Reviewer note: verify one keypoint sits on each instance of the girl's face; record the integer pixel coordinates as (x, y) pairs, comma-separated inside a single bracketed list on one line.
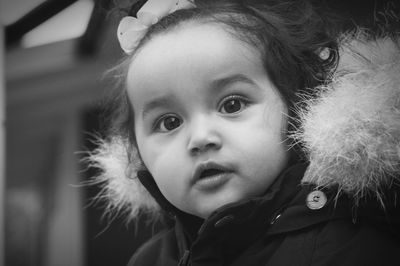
[(208, 120)]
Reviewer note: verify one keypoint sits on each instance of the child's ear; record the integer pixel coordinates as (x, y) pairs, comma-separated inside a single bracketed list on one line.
[(136, 159), (142, 166)]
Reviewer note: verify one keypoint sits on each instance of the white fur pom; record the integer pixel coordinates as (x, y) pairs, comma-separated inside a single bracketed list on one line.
[(351, 130), (121, 189)]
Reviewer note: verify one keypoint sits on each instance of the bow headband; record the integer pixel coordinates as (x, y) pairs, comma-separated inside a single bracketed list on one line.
[(131, 30)]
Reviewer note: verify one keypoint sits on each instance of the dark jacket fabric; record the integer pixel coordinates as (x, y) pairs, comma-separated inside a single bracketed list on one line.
[(280, 229)]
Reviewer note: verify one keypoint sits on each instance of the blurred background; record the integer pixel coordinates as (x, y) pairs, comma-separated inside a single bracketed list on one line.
[(53, 55)]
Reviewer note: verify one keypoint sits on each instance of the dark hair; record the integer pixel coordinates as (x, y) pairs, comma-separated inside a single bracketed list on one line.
[(290, 36)]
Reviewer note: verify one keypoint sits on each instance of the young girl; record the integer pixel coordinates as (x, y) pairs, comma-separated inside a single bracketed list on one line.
[(202, 133)]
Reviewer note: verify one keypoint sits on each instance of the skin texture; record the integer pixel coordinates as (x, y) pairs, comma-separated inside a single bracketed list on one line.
[(201, 103)]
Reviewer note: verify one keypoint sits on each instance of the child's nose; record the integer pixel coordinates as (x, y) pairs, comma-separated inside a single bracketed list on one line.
[(203, 137)]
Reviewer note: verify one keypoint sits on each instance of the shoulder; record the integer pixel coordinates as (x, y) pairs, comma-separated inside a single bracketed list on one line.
[(338, 233), (343, 242), (159, 250), (363, 234)]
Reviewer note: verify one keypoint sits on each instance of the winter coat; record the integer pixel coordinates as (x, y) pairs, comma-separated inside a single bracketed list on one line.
[(284, 227), (340, 207)]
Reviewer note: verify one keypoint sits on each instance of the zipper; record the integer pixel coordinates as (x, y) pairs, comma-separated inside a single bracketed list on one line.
[(185, 259)]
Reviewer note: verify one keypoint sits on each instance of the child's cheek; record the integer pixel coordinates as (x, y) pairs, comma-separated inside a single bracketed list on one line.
[(169, 168), (150, 153), (162, 157)]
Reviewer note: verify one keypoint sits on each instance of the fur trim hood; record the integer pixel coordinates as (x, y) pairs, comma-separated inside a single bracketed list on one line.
[(350, 132)]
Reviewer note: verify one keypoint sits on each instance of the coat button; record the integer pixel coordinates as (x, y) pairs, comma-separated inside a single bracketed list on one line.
[(316, 200), (224, 221)]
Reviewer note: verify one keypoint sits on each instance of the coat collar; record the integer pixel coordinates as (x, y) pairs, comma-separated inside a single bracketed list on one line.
[(253, 209), (251, 215)]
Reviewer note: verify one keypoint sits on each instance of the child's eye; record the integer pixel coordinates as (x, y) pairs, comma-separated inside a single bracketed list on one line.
[(232, 104), (167, 123)]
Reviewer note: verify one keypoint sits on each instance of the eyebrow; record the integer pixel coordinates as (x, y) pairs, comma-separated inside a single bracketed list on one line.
[(158, 102), (227, 81)]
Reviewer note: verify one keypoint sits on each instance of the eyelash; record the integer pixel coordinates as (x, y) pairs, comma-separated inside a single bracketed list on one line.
[(158, 123), (243, 100)]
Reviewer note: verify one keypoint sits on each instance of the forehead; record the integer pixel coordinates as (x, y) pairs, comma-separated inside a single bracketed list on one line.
[(203, 48)]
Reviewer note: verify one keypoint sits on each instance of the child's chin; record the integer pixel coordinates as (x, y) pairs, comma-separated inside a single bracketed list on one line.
[(214, 205)]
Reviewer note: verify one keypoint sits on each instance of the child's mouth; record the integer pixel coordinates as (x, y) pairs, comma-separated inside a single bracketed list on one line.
[(210, 173), (210, 176)]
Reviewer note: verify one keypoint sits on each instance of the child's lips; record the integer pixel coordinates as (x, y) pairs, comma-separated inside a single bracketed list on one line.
[(209, 175)]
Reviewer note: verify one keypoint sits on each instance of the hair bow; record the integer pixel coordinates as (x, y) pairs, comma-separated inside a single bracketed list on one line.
[(131, 30)]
